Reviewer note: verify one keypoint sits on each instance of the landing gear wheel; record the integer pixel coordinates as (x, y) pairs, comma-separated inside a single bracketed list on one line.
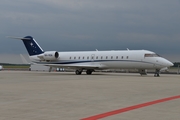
[(78, 72), (89, 72), (157, 73)]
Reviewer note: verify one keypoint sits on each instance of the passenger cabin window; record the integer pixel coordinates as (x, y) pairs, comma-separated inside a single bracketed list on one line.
[(79, 57), (106, 57), (116, 57), (127, 57), (74, 57), (87, 57), (111, 57), (122, 57), (151, 55), (96, 57), (101, 57), (70, 58)]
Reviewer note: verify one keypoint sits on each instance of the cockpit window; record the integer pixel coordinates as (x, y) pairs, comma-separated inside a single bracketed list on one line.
[(151, 55)]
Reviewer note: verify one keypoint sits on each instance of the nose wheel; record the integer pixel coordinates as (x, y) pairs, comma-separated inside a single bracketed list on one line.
[(157, 73)]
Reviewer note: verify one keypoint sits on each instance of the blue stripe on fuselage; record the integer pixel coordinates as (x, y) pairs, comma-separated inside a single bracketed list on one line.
[(89, 61)]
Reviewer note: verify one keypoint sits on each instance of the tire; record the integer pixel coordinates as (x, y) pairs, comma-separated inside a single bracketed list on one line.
[(78, 72)]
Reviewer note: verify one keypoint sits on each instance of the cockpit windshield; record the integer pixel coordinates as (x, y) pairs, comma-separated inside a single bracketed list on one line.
[(151, 55)]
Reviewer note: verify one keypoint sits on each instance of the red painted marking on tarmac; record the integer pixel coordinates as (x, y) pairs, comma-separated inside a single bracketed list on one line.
[(107, 114)]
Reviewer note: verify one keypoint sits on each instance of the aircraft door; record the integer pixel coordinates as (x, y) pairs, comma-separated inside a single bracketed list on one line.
[(92, 57)]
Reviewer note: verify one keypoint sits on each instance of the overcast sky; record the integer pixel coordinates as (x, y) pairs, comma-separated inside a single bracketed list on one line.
[(75, 25)]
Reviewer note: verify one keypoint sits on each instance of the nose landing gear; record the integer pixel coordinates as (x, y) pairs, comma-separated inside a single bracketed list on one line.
[(157, 73)]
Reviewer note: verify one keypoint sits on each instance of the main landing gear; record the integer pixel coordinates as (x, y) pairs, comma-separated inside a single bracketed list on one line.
[(78, 72), (88, 72), (157, 73)]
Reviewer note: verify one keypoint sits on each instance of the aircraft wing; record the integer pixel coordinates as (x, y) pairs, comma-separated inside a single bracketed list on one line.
[(74, 66)]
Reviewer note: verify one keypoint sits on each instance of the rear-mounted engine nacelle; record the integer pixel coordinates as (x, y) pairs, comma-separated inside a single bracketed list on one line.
[(51, 55)]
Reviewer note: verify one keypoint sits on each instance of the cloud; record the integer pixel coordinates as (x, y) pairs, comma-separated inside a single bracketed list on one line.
[(140, 37), (86, 25)]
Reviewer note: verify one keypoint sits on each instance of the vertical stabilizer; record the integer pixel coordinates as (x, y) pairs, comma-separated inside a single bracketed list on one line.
[(32, 46)]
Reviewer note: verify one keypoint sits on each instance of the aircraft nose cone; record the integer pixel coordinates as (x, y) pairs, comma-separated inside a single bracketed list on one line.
[(169, 63)]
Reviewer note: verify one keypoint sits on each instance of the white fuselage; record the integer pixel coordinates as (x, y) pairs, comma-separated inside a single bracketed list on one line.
[(126, 59)]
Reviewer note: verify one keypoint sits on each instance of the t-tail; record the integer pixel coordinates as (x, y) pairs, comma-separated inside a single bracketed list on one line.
[(31, 45), (36, 52)]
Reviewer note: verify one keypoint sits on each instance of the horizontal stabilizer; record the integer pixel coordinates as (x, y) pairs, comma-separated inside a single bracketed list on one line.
[(19, 38)]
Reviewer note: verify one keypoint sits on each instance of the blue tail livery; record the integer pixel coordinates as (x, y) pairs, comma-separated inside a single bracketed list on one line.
[(31, 45)]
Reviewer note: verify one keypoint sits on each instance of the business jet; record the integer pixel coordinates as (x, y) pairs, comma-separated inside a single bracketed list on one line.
[(90, 61)]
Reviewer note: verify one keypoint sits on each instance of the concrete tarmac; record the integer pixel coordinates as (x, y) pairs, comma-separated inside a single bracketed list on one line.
[(26, 95)]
